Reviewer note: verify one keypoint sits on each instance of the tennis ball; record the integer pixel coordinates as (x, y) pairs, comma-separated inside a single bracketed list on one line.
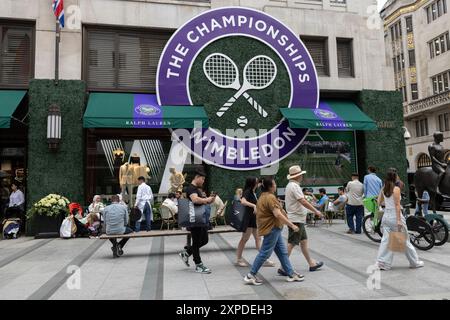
[(242, 121)]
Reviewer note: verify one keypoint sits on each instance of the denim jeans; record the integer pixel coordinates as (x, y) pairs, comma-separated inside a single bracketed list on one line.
[(386, 256), (207, 214), (148, 218), (273, 242), (422, 207), (351, 212)]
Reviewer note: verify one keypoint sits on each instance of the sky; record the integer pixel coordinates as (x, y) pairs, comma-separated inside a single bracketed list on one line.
[(381, 4)]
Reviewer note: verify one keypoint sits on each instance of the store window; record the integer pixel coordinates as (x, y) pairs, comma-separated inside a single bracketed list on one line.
[(146, 151), (330, 157), (17, 54), (124, 60), (317, 47)]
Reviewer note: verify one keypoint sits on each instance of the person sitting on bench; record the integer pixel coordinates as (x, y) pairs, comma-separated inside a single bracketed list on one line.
[(116, 221)]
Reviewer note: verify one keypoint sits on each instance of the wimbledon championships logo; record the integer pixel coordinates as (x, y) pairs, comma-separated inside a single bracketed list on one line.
[(242, 65)]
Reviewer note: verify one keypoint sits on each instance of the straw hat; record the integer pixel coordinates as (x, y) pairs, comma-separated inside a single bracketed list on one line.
[(294, 172)]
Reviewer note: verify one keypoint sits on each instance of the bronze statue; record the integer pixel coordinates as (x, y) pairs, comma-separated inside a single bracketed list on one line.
[(437, 155), (434, 179)]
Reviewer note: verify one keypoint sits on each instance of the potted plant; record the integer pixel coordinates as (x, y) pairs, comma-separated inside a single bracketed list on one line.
[(48, 214)]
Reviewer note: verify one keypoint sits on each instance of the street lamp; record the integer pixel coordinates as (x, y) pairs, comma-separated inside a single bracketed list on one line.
[(406, 134), (53, 127)]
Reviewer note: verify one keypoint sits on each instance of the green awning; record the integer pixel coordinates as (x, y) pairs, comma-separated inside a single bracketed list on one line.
[(331, 115), (127, 110), (9, 100)]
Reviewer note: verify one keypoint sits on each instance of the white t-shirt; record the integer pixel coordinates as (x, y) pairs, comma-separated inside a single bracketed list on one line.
[(295, 210), (171, 205)]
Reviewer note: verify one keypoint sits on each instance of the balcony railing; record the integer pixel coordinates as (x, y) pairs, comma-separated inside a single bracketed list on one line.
[(438, 100)]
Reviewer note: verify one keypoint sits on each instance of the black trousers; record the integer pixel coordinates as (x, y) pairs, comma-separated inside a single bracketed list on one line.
[(199, 237), (124, 240)]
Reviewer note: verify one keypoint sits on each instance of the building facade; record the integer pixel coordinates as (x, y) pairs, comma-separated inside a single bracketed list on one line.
[(111, 48), (417, 49)]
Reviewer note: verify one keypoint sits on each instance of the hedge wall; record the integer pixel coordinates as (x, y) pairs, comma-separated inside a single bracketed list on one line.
[(385, 147), (60, 172)]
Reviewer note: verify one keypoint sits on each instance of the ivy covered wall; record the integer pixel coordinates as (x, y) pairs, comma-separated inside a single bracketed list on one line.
[(385, 147), (60, 172)]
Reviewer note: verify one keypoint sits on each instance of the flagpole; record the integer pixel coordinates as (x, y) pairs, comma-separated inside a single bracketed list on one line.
[(57, 39)]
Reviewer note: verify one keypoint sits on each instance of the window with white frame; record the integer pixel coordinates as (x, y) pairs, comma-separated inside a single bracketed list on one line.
[(441, 82), (439, 45), (435, 10)]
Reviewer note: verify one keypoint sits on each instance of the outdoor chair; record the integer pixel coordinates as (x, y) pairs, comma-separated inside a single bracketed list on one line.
[(166, 217), (220, 214)]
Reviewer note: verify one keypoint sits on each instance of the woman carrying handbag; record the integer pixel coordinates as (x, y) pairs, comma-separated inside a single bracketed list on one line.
[(392, 224)]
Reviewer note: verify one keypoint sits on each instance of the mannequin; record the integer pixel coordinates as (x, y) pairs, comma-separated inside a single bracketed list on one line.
[(129, 172), (126, 182), (177, 180)]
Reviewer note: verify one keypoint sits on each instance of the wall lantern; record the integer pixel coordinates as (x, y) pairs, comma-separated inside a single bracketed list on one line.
[(53, 127)]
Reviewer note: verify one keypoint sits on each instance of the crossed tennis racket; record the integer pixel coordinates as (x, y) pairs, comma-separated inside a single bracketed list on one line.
[(259, 73)]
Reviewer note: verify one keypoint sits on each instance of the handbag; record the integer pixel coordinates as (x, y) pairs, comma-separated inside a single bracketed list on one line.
[(65, 231), (235, 216), (135, 214), (190, 215), (397, 240)]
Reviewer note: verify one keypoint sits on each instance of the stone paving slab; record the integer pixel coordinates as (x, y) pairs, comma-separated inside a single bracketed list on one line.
[(152, 269)]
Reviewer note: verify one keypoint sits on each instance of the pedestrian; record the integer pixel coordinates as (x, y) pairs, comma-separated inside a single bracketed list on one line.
[(422, 204), (116, 221), (372, 184), (296, 208), (144, 197), (16, 206), (199, 235), (270, 219), (238, 194), (354, 208), (249, 200), (393, 220)]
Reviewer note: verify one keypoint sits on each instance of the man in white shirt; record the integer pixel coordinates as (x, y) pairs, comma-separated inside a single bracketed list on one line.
[(144, 197), (297, 209), (354, 207), (16, 206), (170, 203)]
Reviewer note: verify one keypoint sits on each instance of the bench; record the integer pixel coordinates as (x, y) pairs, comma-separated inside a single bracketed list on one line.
[(164, 233)]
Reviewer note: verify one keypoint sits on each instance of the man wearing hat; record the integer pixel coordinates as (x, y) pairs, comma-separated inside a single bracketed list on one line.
[(297, 208)]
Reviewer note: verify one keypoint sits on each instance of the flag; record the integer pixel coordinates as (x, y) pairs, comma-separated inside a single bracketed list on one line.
[(58, 10)]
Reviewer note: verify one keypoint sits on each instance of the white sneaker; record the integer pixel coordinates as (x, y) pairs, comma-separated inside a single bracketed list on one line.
[(268, 263), (241, 263), (295, 277), (419, 264), (251, 279)]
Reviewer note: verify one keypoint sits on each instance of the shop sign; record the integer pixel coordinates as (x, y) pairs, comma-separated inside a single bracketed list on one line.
[(228, 149)]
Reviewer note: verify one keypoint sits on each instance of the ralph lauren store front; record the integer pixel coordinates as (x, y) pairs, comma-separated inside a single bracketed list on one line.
[(236, 98)]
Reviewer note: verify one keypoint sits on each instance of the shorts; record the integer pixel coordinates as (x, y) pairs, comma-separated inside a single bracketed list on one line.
[(294, 238)]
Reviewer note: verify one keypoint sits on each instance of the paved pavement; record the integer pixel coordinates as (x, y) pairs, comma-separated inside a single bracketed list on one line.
[(151, 269)]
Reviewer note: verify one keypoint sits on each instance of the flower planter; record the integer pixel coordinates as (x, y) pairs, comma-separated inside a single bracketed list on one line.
[(48, 227)]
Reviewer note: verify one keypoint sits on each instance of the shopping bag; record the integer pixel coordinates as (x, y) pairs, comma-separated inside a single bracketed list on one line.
[(65, 231), (190, 215), (235, 216), (397, 240)]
